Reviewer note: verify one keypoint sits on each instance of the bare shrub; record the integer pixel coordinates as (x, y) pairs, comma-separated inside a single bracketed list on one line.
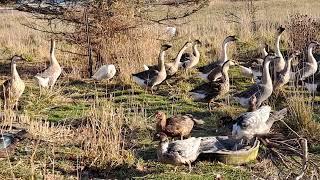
[(302, 29), (103, 137)]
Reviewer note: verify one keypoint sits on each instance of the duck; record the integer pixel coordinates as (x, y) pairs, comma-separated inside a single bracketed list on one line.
[(212, 71), (309, 68), (176, 126), (213, 90), (13, 88), (49, 76), (284, 76), (177, 152), (189, 60), (257, 122), (261, 90), (151, 78), (105, 72)]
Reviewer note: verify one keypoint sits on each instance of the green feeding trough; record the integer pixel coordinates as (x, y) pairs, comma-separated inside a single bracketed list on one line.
[(228, 150)]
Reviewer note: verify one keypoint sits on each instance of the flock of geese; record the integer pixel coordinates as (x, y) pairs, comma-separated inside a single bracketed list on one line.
[(270, 72)]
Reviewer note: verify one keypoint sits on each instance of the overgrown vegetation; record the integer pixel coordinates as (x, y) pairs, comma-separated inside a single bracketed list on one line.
[(84, 129)]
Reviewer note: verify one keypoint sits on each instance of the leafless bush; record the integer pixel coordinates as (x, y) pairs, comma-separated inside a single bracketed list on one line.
[(302, 29)]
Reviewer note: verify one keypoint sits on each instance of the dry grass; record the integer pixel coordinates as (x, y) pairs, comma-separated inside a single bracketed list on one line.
[(107, 135)]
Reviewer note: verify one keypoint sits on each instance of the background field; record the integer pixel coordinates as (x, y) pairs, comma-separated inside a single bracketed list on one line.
[(105, 129)]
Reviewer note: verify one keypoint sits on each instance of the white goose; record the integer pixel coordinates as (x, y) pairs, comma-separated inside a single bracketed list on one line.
[(257, 122), (212, 71), (152, 77), (49, 77), (105, 72), (308, 68)]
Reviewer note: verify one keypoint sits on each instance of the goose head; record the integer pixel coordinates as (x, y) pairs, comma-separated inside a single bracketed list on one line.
[(280, 30), (16, 58), (198, 42), (314, 44), (270, 57), (166, 47), (230, 39)]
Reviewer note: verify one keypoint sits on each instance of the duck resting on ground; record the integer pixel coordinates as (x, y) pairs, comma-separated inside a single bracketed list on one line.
[(257, 122), (105, 72), (212, 71), (12, 89), (189, 60), (177, 152), (152, 77), (309, 68), (49, 76), (176, 126), (213, 90), (261, 90)]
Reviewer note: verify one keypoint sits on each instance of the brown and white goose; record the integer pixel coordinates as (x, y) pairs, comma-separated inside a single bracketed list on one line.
[(178, 152), (49, 76), (261, 90), (283, 77), (152, 77), (189, 60), (212, 71), (176, 126), (310, 67), (12, 89), (213, 90), (172, 68)]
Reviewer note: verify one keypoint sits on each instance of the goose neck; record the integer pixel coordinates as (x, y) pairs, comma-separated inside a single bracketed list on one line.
[(52, 54), (264, 52), (15, 74), (311, 58), (196, 51), (278, 52), (224, 55), (266, 79), (178, 58), (161, 61), (162, 122)]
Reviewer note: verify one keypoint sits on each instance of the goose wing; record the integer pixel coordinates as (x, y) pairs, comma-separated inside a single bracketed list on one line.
[(251, 123), (185, 57), (210, 89), (186, 149), (146, 75), (254, 89), (207, 68)]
